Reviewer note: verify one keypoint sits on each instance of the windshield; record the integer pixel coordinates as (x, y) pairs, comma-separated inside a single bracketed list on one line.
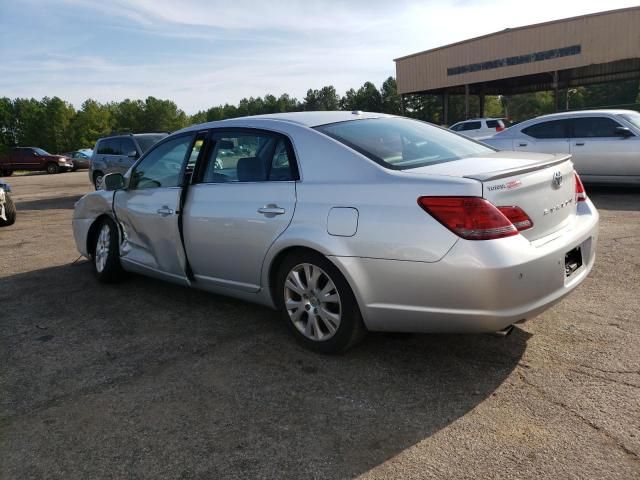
[(401, 143), (40, 151), (632, 118), (146, 141)]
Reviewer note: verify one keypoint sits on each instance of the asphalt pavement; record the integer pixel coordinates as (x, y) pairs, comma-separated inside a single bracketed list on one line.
[(149, 380)]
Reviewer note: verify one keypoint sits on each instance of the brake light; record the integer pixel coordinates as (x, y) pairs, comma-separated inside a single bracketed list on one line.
[(581, 195), (499, 128), (472, 218), (517, 216)]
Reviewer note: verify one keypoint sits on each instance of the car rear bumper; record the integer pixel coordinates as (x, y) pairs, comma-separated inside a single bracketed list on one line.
[(479, 286)]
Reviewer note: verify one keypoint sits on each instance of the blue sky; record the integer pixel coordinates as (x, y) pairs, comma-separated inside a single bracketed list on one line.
[(203, 53)]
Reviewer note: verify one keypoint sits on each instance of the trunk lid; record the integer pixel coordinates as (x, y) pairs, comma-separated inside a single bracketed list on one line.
[(540, 184)]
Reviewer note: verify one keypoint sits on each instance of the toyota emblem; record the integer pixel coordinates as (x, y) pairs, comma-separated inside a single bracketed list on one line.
[(557, 179)]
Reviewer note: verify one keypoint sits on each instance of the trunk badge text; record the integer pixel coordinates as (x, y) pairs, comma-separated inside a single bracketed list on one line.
[(555, 208), (557, 179)]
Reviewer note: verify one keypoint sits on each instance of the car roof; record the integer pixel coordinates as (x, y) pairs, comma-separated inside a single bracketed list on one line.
[(584, 113), (308, 119)]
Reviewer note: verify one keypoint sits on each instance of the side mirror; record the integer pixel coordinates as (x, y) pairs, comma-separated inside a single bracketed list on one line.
[(113, 181), (623, 132), (132, 154)]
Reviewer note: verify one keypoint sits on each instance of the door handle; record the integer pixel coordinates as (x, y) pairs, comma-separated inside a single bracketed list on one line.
[(164, 211), (581, 144), (271, 210), (522, 144)]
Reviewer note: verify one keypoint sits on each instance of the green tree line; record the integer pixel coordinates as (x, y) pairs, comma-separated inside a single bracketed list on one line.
[(55, 125)]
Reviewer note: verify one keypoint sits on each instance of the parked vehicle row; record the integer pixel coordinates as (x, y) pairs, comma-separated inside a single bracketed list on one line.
[(347, 222)]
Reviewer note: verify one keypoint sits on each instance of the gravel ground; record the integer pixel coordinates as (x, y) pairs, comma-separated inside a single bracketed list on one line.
[(148, 380)]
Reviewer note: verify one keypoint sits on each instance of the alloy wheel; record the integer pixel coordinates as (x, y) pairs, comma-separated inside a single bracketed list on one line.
[(102, 247), (312, 302)]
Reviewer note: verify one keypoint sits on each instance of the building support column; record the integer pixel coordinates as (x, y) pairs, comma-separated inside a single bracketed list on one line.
[(402, 106), (481, 97), (466, 101), (556, 93), (445, 108)]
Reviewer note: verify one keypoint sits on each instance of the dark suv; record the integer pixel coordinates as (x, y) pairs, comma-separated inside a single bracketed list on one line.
[(118, 152)]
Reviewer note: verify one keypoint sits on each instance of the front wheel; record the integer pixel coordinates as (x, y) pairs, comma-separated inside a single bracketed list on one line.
[(106, 256), (318, 304), (9, 212), (52, 168)]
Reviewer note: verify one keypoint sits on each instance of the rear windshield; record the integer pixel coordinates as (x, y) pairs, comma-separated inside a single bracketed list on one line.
[(147, 140), (41, 152), (495, 124), (401, 143)]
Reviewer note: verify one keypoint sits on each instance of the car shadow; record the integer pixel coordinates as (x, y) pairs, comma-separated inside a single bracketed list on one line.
[(149, 378), (614, 197), (55, 203)]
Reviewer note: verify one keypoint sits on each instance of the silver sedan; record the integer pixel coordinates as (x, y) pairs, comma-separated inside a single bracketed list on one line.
[(347, 222)]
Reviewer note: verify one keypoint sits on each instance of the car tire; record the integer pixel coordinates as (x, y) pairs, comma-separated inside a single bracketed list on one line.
[(52, 168), (97, 180), (6, 173), (106, 255), (9, 212), (317, 303)]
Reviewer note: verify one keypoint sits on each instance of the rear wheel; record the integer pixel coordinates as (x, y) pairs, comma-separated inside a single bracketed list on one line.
[(52, 168), (6, 173), (9, 212), (317, 303), (106, 256)]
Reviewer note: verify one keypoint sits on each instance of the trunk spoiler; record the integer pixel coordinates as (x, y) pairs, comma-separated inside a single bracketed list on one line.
[(485, 177)]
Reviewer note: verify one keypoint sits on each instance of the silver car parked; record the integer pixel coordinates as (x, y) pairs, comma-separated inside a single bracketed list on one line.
[(604, 144), (348, 222)]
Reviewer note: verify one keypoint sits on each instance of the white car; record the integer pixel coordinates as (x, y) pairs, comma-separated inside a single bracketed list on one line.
[(604, 144), (479, 128)]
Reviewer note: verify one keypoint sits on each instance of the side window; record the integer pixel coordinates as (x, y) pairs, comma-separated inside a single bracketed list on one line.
[(471, 126), (162, 167), (280, 165), (127, 147), (247, 157), (457, 127), (108, 146), (594, 127), (551, 129), (193, 157)]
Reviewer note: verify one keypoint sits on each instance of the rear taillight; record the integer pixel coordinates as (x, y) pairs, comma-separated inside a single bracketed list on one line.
[(471, 218), (499, 129), (581, 195), (517, 216)]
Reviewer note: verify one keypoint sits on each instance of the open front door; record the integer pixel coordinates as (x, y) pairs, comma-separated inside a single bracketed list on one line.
[(148, 210)]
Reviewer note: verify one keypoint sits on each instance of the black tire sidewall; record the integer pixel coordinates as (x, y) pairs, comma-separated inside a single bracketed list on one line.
[(351, 327), (52, 168), (112, 271)]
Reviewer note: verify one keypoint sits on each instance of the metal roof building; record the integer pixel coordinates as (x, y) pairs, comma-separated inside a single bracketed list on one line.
[(595, 48)]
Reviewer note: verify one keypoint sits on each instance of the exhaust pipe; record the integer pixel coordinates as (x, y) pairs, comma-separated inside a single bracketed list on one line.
[(505, 332)]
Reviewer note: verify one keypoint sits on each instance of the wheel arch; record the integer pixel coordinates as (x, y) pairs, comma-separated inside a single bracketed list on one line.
[(276, 258)]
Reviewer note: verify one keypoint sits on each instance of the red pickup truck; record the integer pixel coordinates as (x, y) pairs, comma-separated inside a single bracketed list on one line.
[(31, 158)]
